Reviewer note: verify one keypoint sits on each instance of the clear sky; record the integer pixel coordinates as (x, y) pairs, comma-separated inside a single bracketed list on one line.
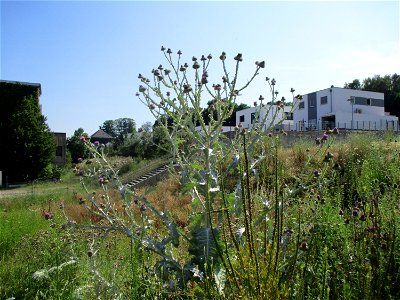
[(87, 55)]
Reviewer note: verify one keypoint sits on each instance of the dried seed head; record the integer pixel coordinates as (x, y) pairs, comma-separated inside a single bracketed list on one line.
[(166, 72), (194, 58), (209, 56), (203, 58), (179, 52), (260, 64), (261, 98), (187, 88), (162, 48), (160, 67), (222, 56), (152, 106), (142, 88), (169, 51), (196, 65), (273, 81), (292, 90), (217, 87), (182, 69), (266, 78), (224, 80), (238, 57)]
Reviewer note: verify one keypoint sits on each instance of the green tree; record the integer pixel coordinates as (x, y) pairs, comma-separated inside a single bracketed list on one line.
[(76, 147), (27, 145), (120, 129)]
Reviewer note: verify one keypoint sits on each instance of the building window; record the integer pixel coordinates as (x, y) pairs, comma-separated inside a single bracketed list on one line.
[(252, 117), (241, 118), (369, 101), (289, 115), (301, 105), (324, 100), (311, 102), (59, 151)]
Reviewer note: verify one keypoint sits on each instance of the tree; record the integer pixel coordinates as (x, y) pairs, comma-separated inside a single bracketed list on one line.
[(27, 145), (120, 129), (76, 147), (355, 85)]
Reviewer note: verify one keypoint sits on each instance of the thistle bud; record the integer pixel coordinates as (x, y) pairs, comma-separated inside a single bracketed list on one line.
[(142, 88), (169, 51), (266, 78), (187, 88), (194, 58), (166, 72), (217, 87), (182, 69), (160, 67), (292, 90), (238, 57), (203, 58), (209, 56), (162, 48), (196, 65), (261, 98), (260, 64), (222, 56), (273, 81), (179, 52)]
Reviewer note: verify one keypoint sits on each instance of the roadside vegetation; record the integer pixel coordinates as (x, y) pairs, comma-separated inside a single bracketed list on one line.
[(238, 218)]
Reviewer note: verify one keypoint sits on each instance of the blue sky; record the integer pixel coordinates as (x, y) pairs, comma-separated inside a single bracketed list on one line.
[(87, 54)]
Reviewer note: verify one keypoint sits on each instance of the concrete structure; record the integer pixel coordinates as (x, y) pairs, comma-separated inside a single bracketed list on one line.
[(270, 116), (343, 108), (60, 139)]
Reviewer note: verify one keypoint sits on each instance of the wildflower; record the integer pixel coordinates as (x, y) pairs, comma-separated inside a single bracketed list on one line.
[(166, 71), (142, 207), (222, 56), (292, 90), (341, 212), (152, 106), (346, 221), (324, 137), (317, 141), (142, 88), (96, 143), (335, 131), (261, 98), (273, 81), (362, 217), (182, 69), (48, 215), (169, 51), (80, 159), (270, 134), (196, 65), (209, 56), (316, 173), (162, 48), (203, 58), (179, 52), (81, 200), (224, 80), (266, 78), (372, 228)]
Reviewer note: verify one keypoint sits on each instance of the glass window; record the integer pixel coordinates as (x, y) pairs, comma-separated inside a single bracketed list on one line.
[(301, 105), (241, 118), (324, 100)]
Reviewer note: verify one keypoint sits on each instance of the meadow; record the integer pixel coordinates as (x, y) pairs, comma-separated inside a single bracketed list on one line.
[(306, 222)]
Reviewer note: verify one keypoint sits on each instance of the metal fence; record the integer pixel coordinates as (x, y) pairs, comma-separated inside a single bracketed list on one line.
[(356, 125)]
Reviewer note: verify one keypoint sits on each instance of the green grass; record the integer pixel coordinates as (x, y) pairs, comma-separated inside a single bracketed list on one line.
[(341, 232)]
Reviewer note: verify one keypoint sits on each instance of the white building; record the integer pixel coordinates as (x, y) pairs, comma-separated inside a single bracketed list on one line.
[(272, 117), (343, 108)]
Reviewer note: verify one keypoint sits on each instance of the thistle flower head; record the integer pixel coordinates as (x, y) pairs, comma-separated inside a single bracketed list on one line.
[(209, 56), (222, 56)]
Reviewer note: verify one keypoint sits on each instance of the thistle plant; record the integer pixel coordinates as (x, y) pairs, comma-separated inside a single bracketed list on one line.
[(223, 238)]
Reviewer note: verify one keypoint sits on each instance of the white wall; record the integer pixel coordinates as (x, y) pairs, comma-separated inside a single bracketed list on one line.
[(270, 115), (363, 116)]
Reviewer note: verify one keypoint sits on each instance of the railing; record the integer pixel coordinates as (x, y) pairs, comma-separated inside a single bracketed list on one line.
[(355, 125)]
